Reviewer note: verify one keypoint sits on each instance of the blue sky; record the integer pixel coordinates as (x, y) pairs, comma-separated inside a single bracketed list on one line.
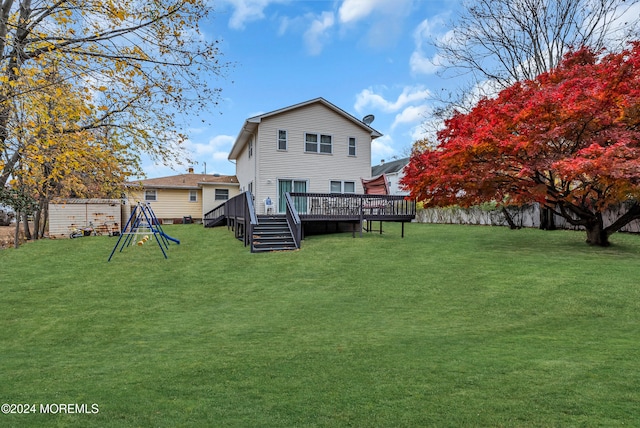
[(365, 56)]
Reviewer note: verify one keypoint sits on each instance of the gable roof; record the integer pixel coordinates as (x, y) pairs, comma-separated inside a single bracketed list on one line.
[(389, 167), (185, 181), (251, 124)]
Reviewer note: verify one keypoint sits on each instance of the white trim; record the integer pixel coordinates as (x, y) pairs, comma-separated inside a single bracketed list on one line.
[(355, 146), (286, 140)]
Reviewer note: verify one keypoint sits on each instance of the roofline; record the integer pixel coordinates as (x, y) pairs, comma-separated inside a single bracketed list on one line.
[(212, 183), (251, 124)]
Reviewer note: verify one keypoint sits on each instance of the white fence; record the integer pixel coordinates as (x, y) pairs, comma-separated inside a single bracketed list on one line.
[(525, 216)]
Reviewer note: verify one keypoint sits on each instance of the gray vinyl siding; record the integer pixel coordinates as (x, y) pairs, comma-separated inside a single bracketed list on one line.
[(317, 168), (246, 167)]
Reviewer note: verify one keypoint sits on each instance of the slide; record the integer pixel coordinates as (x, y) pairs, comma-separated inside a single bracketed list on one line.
[(177, 241)]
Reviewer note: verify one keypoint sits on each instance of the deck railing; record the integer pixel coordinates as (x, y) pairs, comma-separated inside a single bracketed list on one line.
[(216, 216), (293, 220), (331, 206), (240, 216)]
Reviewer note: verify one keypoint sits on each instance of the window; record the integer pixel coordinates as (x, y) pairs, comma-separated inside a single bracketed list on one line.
[(311, 143), (352, 146), (250, 149), (222, 194), (343, 186), (325, 144), (318, 143), (193, 196), (282, 139), (150, 195)]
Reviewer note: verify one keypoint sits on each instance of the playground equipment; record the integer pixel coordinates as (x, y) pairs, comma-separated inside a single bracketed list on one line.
[(143, 222)]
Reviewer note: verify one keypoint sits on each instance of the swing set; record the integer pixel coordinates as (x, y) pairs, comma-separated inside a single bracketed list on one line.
[(142, 223)]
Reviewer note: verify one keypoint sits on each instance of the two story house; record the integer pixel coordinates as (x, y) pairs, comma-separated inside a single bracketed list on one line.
[(312, 146)]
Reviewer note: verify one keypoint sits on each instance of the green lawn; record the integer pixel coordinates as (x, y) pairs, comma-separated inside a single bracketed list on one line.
[(450, 326)]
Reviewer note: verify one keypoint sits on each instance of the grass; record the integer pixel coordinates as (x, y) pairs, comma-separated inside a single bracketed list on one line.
[(450, 326)]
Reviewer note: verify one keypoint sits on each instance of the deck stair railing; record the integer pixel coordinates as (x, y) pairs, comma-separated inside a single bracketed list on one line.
[(293, 220), (216, 216), (240, 216)]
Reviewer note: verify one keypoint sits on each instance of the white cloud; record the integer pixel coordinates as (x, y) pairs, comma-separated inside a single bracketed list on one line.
[(222, 141), (381, 148), (221, 156), (316, 35), (367, 98), (245, 11), (419, 132), (411, 114), (355, 10), (420, 62), (383, 21), (213, 153)]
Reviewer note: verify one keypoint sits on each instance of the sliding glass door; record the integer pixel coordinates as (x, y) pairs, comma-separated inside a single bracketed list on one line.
[(285, 186)]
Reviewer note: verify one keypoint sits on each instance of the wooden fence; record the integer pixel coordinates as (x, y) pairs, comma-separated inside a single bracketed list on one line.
[(525, 216)]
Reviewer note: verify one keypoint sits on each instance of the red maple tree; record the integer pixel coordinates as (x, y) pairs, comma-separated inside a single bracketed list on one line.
[(569, 140)]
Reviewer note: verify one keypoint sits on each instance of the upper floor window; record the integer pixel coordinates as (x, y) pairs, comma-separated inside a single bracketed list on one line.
[(282, 139), (250, 149), (352, 146), (150, 195), (318, 143), (338, 186), (193, 196), (222, 194)]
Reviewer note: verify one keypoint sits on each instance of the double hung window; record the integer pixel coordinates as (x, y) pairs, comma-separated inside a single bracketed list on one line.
[(352, 146), (338, 186), (318, 143), (150, 195), (222, 194), (282, 139)]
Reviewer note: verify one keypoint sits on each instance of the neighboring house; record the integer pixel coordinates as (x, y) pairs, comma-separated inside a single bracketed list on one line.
[(185, 195), (394, 171), (313, 147)]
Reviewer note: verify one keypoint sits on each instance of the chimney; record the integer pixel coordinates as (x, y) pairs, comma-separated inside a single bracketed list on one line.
[(381, 161), (190, 170)]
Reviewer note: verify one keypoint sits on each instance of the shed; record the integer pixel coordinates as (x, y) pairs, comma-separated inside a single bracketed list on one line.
[(104, 215)]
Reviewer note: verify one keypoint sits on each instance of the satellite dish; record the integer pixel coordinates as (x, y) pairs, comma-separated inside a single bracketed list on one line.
[(368, 119)]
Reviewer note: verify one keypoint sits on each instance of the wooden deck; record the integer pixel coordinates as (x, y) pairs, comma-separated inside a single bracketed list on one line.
[(317, 211), (354, 207)]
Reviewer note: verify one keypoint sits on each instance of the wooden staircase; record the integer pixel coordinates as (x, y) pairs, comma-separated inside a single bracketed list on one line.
[(272, 233)]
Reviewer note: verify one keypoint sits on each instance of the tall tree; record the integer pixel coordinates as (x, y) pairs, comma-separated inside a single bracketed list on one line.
[(569, 140), (59, 157), (504, 41), (499, 42), (143, 64)]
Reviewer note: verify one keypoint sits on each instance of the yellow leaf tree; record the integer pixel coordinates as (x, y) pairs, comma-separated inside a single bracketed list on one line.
[(135, 68), (59, 155)]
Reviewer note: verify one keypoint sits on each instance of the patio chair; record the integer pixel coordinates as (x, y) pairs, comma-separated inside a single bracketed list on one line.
[(268, 206)]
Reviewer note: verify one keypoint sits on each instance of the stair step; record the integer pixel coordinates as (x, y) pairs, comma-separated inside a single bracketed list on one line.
[(272, 234), (262, 249)]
